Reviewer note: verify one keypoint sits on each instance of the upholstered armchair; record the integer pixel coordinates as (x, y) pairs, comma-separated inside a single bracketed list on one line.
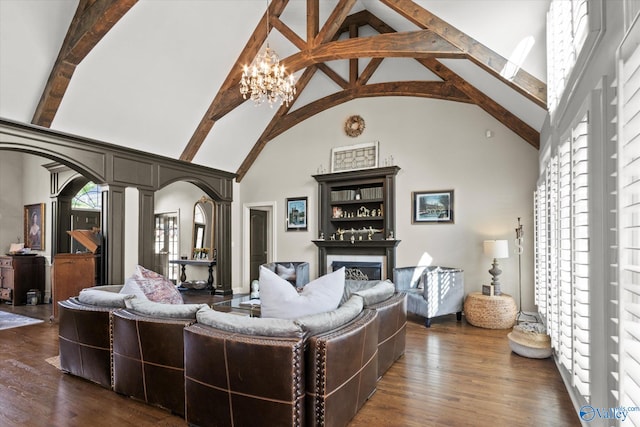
[(431, 291), (295, 272)]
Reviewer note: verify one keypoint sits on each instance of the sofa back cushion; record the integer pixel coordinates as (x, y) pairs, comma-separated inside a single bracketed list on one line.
[(156, 309), (257, 326), (373, 291), (280, 300), (103, 298), (323, 322)]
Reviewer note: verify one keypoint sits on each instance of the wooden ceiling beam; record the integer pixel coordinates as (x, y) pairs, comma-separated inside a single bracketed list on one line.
[(421, 44), (334, 22), (333, 75), (523, 82), (220, 102), (91, 22), (432, 89), (313, 19), (282, 122), (288, 33), (413, 44), (503, 115), (264, 139), (368, 71), (507, 118)]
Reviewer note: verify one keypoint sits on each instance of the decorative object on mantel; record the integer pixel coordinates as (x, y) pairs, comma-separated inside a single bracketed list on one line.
[(354, 126), (529, 339), (266, 79), (354, 157), (496, 249)]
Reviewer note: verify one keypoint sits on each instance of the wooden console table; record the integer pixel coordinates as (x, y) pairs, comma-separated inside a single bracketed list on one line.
[(199, 262), (491, 312)]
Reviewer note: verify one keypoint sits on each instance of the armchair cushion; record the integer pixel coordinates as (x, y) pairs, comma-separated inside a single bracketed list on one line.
[(442, 293), (295, 272), (278, 299), (406, 278)]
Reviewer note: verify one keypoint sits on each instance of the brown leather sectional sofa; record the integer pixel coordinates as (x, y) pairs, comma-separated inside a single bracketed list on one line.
[(232, 377)]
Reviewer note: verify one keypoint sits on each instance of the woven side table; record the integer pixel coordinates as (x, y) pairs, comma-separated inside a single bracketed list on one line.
[(491, 312)]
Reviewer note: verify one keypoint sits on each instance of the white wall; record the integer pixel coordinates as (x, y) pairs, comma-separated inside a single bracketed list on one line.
[(438, 145), (11, 215)]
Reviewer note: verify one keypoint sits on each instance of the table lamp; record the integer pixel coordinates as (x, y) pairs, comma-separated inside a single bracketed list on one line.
[(496, 249)]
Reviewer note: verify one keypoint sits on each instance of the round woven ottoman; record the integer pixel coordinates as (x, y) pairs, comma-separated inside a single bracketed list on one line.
[(491, 312)]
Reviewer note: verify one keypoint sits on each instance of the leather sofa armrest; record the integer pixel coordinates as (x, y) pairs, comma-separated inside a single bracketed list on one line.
[(341, 370), (84, 340), (392, 330)]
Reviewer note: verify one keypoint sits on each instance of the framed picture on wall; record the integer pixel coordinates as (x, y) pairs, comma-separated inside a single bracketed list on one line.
[(34, 226), (297, 214), (432, 207)]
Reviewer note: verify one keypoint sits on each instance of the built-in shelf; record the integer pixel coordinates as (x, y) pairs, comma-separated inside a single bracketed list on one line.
[(356, 215)]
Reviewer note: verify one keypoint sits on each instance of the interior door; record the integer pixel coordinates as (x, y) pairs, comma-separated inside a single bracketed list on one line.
[(166, 244), (257, 242)]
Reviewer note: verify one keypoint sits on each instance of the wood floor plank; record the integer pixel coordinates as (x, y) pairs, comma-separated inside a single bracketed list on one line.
[(452, 374)]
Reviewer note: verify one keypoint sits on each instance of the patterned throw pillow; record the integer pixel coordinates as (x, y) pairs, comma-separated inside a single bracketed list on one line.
[(156, 287)]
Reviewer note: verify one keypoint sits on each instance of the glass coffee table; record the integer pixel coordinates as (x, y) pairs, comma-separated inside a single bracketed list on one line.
[(242, 305)]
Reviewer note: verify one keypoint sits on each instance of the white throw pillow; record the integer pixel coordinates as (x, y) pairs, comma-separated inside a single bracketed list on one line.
[(281, 300)]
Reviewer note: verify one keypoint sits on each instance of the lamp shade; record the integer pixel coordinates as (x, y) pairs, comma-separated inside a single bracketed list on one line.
[(496, 248)]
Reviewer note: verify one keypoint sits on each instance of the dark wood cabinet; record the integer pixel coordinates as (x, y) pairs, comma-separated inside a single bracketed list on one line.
[(70, 274), (73, 272), (356, 215), (18, 275)]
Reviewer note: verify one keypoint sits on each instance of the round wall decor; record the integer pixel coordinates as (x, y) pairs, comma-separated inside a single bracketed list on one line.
[(354, 126)]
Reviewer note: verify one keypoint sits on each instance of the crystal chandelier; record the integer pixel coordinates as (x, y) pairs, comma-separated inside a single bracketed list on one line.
[(265, 78)]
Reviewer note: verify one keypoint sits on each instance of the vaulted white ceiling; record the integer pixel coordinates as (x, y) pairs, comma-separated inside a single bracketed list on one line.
[(150, 80)]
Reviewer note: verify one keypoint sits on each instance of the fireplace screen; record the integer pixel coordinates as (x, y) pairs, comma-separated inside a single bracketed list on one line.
[(356, 270)]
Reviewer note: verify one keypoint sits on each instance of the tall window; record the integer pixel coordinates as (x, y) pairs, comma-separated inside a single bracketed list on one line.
[(629, 226), (567, 29), (562, 263)]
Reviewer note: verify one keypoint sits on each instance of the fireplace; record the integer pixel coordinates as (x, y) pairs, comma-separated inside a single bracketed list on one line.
[(359, 270), (358, 266)]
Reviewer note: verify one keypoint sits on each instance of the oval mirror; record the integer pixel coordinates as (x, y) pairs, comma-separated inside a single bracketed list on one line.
[(203, 241)]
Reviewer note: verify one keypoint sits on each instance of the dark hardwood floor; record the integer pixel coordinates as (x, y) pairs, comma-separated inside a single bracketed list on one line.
[(452, 374)]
